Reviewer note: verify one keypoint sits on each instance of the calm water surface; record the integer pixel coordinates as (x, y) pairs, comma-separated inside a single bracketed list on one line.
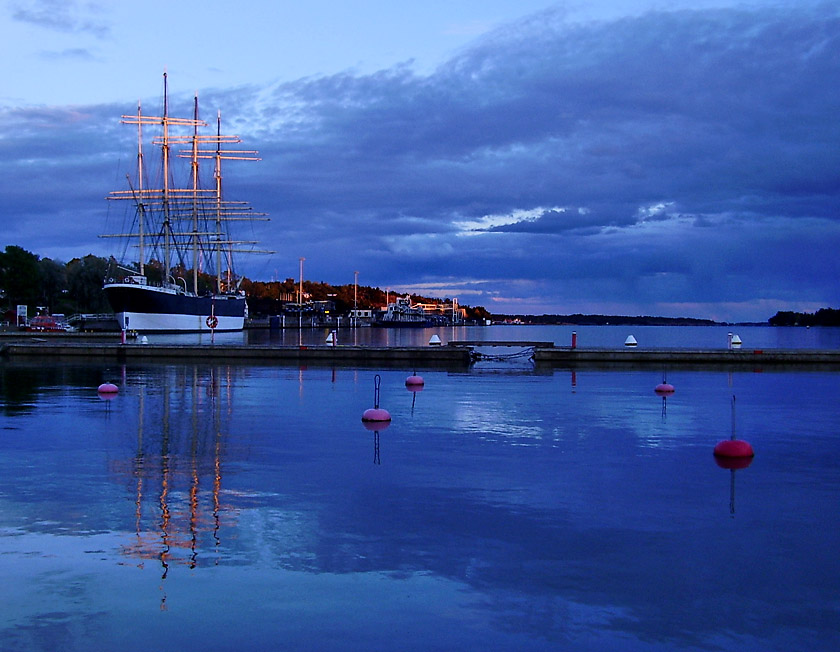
[(648, 337), (248, 508)]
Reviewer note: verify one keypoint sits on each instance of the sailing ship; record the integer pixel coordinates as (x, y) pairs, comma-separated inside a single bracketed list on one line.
[(184, 279)]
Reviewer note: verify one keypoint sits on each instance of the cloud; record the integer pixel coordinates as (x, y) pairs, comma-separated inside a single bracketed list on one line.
[(63, 16), (682, 159), (81, 54)]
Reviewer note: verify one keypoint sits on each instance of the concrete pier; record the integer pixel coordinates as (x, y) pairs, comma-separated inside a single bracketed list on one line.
[(565, 356), (441, 355), (455, 353)]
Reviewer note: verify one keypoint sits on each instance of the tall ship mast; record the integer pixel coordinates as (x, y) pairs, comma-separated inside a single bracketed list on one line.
[(181, 276)]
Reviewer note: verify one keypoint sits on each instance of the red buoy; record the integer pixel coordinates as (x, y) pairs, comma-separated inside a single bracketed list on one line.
[(734, 448), (664, 388), (414, 380), (108, 388)]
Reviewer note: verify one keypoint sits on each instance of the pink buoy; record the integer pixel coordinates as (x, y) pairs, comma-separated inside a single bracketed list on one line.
[(376, 413), (664, 388), (413, 381), (734, 448), (108, 388)]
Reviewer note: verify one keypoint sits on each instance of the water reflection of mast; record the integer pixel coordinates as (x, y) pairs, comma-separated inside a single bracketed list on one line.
[(164, 486), (138, 468), (176, 535), (217, 454), (194, 475)]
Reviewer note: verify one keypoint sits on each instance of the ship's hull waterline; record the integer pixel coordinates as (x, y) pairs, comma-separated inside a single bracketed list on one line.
[(159, 310)]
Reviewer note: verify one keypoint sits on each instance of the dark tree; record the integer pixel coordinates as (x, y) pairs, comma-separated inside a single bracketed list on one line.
[(53, 285), (84, 282), (20, 276)]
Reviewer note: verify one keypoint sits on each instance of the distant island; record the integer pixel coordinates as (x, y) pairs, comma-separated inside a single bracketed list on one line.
[(578, 319), (822, 317)]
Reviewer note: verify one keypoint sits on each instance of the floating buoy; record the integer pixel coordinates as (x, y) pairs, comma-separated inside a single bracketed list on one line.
[(414, 381), (144, 340), (664, 388), (414, 384), (630, 341), (376, 413), (736, 342), (734, 448), (107, 390), (434, 340)]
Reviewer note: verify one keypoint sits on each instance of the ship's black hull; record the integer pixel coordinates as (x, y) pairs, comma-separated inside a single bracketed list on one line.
[(150, 309)]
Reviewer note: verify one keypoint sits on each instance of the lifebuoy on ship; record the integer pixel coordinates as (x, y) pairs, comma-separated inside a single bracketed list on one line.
[(212, 322)]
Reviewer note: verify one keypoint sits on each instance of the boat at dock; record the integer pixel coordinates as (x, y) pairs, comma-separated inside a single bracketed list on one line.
[(48, 324), (401, 314), (184, 278)]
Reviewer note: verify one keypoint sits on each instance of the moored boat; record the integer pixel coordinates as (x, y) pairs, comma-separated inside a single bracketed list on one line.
[(401, 314), (183, 280), (48, 324)]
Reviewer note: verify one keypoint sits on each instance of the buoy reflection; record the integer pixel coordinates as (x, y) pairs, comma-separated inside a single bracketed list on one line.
[(414, 389), (376, 427)]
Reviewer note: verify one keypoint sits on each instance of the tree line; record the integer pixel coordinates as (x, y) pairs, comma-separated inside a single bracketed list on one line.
[(76, 287), (822, 317)]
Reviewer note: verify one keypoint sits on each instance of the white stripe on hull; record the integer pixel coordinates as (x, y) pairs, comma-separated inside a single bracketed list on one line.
[(148, 322)]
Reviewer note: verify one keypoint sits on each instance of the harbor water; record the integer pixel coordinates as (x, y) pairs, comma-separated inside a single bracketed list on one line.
[(248, 507), (647, 337)]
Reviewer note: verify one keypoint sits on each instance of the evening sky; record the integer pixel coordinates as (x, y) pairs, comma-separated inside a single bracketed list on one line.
[(616, 156)]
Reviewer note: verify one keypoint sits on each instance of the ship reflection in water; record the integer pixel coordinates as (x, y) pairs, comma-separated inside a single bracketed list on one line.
[(226, 507), (178, 475)]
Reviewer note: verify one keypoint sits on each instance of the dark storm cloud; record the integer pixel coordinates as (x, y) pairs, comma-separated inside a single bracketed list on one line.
[(688, 119), (671, 163)]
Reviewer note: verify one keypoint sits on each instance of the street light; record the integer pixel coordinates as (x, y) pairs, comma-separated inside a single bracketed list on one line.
[(300, 303), (355, 302)]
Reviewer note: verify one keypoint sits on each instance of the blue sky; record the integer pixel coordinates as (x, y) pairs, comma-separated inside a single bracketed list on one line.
[(667, 158)]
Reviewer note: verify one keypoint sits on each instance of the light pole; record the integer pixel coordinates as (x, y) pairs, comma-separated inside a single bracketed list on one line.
[(355, 302), (300, 302)]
